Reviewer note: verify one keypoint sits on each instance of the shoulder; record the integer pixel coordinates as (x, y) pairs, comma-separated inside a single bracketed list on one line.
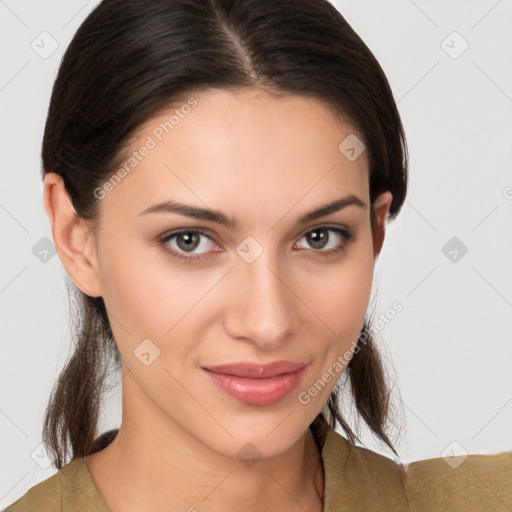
[(357, 478), (46, 496), (469, 483), (69, 489), (360, 479)]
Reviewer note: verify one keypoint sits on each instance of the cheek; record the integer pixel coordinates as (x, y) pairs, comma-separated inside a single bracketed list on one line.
[(137, 292), (339, 295), (149, 297)]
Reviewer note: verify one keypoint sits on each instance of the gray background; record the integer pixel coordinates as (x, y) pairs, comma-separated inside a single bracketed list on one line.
[(449, 349)]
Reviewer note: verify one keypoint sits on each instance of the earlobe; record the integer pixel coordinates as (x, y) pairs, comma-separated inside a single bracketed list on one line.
[(381, 207), (74, 243)]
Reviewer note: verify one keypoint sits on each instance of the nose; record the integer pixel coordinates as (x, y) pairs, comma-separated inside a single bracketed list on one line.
[(263, 305)]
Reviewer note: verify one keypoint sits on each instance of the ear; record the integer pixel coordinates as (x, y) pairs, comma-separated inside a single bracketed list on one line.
[(381, 207), (74, 242)]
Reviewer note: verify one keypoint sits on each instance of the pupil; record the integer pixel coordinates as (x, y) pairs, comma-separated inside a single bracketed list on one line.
[(188, 239), (317, 238)]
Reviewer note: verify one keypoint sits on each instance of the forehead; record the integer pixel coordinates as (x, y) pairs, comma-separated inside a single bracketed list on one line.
[(245, 150)]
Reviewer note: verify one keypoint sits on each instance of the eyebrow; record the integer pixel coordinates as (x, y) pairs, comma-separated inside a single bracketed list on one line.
[(196, 212)]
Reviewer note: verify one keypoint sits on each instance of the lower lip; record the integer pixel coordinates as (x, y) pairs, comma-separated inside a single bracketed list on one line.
[(257, 391)]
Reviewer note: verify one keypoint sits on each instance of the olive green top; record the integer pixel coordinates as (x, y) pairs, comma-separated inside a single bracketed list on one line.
[(356, 479)]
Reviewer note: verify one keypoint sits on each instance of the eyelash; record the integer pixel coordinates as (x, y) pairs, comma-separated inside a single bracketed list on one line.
[(166, 237)]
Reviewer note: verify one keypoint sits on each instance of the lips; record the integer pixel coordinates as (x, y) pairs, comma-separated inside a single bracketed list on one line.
[(256, 371), (255, 384)]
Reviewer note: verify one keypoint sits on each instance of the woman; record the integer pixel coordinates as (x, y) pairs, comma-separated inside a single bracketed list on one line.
[(218, 176)]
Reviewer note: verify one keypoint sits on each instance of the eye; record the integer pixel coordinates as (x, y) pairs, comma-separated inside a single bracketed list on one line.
[(323, 242), (185, 241)]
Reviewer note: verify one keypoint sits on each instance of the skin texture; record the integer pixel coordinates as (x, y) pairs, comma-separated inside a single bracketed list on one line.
[(265, 162)]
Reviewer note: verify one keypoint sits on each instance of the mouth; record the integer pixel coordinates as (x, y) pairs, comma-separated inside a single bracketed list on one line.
[(254, 384)]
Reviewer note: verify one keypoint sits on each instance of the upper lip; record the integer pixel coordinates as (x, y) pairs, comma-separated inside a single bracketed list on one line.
[(256, 371)]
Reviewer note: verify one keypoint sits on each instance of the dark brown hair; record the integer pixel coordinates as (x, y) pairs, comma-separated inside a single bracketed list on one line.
[(130, 60)]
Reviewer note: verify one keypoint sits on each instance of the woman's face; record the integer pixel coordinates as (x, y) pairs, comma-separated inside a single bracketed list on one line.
[(268, 288)]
